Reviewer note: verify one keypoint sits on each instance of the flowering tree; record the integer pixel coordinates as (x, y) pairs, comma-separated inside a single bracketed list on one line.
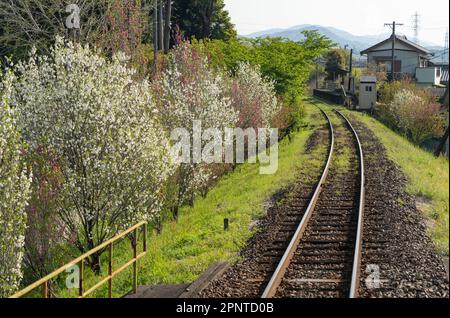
[(14, 194), (253, 97), (100, 126), (416, 115), (189, 90), (122, 30)]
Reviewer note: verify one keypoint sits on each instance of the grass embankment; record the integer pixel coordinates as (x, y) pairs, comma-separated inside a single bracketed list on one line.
[(186, 248), (428, 178)]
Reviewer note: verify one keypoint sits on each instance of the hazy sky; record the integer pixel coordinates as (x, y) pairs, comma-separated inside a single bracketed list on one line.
[(359, 17)]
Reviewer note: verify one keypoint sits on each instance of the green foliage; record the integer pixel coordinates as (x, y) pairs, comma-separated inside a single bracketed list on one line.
[(336, 61), (286, 62), (203, 19), (388, 90)]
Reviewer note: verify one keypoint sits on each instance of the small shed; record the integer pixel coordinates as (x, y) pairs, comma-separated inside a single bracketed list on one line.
[(367, 92)]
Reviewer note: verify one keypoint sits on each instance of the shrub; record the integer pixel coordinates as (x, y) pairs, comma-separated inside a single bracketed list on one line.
[(416, 117), (45, 229), (186, 90), (374, 70), (14, 194), (100, 126), (410, 110), (388, 90), (253, 97)]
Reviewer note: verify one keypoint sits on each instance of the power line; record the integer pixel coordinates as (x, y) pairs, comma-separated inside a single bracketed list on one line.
[(445, 45)]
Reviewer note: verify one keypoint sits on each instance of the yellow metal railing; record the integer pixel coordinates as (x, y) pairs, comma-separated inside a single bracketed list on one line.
[(44, 282)]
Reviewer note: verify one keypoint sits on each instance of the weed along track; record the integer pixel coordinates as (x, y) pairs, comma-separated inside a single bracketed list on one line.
[(323, 256)]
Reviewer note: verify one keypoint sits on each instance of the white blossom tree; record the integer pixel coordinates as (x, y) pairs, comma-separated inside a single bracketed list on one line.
[(189, 90), (101, 125), (253, 97), (14, 194)]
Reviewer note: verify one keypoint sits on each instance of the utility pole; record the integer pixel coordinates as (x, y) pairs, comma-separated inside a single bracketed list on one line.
[(416, 26), (350, 71), (393, 37)]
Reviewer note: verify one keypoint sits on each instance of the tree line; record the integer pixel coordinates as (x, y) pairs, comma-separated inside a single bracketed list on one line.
[(28, 23)]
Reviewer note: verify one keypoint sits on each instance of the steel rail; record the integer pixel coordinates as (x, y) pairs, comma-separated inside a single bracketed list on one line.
[(277, 277), (356, 270)]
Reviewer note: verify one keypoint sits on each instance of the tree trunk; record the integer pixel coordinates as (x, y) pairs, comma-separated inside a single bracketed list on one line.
[(94, 263), (167, 26), (155, 35), (175, 213), (160, 27), (158, 225)]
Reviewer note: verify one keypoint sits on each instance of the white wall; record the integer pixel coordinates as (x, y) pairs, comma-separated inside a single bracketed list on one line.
[(367, 96), (428, 75)]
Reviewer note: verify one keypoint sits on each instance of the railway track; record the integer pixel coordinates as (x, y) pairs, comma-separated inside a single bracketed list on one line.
[(323, 257)]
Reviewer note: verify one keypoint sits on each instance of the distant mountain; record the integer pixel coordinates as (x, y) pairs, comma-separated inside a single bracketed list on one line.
[(340, 37)]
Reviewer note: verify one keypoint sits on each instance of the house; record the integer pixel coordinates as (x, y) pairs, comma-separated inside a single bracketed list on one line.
[(408, 56), (430, 75)]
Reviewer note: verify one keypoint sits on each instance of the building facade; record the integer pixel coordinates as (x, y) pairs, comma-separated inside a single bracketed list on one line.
[(408, 56)]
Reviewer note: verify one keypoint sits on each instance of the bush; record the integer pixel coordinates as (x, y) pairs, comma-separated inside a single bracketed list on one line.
[(410, 110), (100, 126), (253, 97), (45, 229), (14, 194), (388, 90), (188, 89), (416, 117)]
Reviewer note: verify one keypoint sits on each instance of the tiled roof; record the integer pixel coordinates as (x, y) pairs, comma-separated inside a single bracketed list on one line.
[(400, 38)]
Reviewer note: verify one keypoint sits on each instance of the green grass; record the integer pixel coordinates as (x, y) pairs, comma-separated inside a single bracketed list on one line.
[(428, 178), (186, 248), (341, 156)]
